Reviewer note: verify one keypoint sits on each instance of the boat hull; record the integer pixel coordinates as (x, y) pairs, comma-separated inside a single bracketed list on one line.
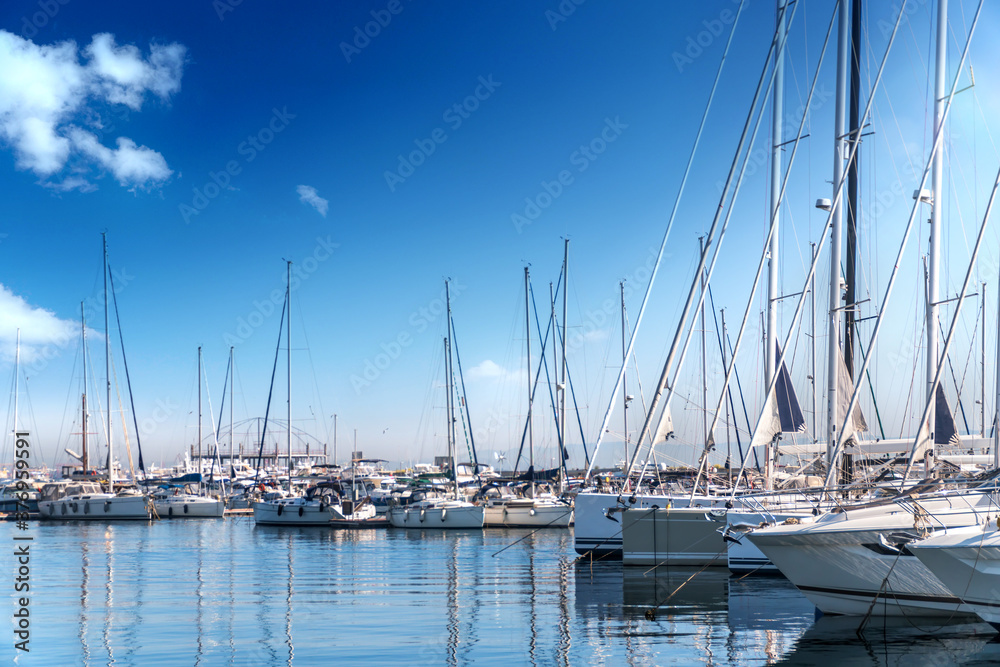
[(676, 536), (969, 566), (519, 514), (845, 565), (193, 507), (287, 514), (95, 508), (597, 528), (436, 517)]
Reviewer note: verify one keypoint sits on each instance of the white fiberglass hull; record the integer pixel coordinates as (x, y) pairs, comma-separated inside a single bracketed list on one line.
[(189, 507), (846, 561), (742, 555), (435, 515), (95, 507), (291, 512), (527, 513), (597, 528), (968, 563)]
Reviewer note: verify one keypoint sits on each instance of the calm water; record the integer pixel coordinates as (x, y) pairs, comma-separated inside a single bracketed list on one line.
[(225, 592)]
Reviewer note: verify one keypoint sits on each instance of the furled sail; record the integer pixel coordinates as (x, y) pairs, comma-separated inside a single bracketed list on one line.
[(945, 432), (845, 387), (782, 413)]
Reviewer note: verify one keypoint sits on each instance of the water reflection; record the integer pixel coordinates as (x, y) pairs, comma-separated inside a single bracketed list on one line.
[(895, 641), (230, 593)]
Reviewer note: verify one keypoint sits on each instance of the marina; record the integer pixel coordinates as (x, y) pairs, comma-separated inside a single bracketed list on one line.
[(725, 390)]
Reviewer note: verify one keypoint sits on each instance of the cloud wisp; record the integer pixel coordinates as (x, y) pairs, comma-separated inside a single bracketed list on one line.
[(308, 195)]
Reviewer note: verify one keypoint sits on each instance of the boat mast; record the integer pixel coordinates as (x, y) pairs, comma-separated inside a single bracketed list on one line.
[(996, 404), (982, 351), (527, 328), (812, 295), (107, 364), (288, 339), (625, 401), (232, 380), (840, 152), (200, 464), (850, 298), (771, 328), (450, 403), (704, 357), (17, 371), (562, 387), (83, 333), (937, 193)]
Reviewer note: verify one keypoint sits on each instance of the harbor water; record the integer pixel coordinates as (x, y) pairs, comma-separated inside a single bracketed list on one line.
[(227, 592)]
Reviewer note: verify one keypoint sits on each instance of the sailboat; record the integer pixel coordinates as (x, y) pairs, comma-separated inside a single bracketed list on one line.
[(171, 501), (530, 508), (436, 509), (21, 493), (86, 500)]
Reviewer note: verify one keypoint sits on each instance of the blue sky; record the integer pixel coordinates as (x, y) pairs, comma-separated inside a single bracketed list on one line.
[(213, 141)]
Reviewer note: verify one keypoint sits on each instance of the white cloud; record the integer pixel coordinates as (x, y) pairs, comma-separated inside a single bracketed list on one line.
[(308, 195), (46, 92), (40, 328), (490, 370)]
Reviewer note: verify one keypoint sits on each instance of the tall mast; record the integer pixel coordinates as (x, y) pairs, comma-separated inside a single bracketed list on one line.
[(777, 106), (564, 385), (937, 178), (232, 381), (450, 403), (555, 361), (704, 355), (621, 286), (527, 328), (288, 339), (200, 466), (17, 372), (107, 363), (982, 350), (996, 402), (83, 333), (812, 294), (771, 328), (850, 297), (840, 152)]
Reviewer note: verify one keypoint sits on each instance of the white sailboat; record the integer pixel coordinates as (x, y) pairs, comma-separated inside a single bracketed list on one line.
[(530, 509), (72, 500), (172, 502), (306, 510), (448, 510)]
